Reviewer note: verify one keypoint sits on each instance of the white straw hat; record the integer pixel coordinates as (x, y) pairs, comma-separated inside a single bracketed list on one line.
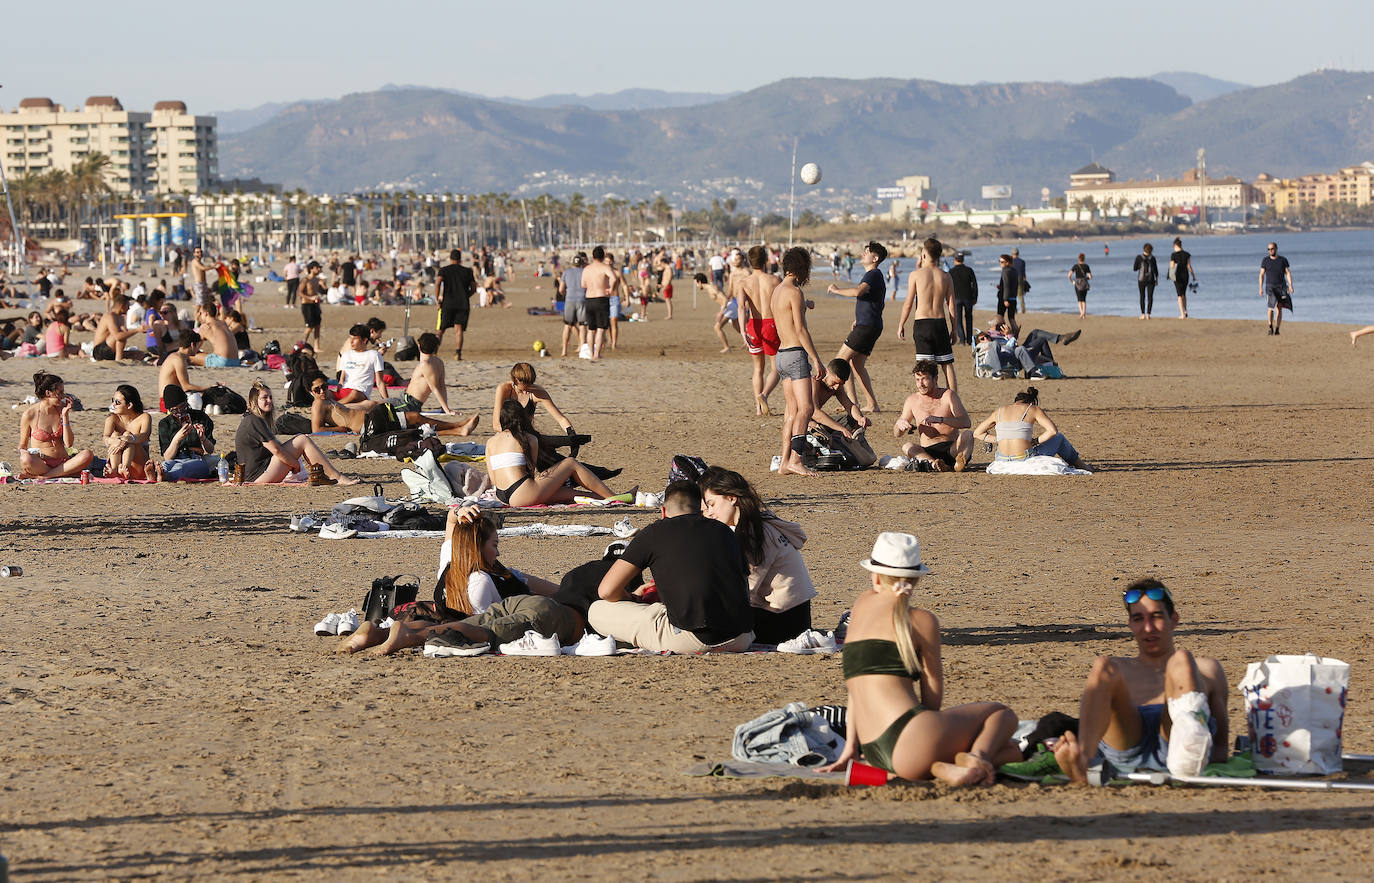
[(896, 554)]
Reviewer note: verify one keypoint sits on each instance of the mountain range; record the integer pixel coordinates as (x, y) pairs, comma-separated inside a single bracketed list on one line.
[(863, 133)]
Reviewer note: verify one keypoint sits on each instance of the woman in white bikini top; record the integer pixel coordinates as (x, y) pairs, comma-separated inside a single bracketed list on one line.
[(509, 455)]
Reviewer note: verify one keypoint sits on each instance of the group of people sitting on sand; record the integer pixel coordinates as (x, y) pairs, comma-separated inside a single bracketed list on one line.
[(727, 574)]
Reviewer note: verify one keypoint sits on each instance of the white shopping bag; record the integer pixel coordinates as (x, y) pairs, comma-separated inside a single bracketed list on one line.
[(1295, 706)]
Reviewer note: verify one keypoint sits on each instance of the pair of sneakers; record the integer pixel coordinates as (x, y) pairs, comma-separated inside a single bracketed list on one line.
[(535, 644), (810, 641), (338, 624), (455, 643)]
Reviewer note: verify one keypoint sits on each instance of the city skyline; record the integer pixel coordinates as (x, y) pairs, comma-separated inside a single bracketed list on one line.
[(315, 50)]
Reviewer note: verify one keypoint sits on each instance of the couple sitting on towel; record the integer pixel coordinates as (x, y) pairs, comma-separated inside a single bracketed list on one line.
[(701, 600), (892, 650)]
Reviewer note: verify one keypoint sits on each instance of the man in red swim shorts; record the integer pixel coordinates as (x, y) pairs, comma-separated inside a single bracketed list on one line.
[(760, 334), (665, 282)]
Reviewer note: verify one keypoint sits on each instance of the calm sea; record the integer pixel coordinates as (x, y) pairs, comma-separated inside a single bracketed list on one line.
[(1333, 275)]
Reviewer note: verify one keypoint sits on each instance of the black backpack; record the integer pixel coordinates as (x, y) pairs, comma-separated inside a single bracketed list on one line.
[(381, 420), (388, 593), (292, 423), (228, 401), (299, 366)]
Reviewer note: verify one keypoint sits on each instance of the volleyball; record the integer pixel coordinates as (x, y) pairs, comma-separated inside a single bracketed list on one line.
[(811, 173), (539, 346)]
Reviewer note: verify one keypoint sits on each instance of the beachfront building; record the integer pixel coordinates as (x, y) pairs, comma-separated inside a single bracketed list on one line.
[(1096, 192), (166, 151), (915, 199), (1353, 185), (184, 150)]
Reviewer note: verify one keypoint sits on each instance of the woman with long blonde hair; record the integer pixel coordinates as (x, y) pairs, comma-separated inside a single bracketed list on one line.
[(893, 648)]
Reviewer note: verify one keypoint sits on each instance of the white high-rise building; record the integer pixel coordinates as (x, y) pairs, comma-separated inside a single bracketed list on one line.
[(166, 151)]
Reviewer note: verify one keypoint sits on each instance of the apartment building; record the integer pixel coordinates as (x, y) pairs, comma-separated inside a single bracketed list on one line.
[(166, 151), (1352, 184)]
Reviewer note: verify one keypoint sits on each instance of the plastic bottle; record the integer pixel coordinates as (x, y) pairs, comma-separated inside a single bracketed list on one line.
[(223, 470)]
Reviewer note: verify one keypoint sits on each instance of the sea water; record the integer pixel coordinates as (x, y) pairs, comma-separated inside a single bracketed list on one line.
[(1333, 275)]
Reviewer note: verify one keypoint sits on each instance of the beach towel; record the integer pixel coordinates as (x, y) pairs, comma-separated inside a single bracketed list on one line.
[(537, 529), (1034, 466)]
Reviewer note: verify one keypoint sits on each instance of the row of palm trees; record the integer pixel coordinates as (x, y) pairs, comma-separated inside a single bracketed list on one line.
[(61, 200)]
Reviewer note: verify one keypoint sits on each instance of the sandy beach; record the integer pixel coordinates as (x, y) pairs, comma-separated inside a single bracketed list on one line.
[(168, 712)]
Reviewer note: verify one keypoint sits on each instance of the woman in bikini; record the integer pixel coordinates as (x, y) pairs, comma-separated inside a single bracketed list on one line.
[(45, 433), (893, 649), (1012, 427), (127, 430), (510, 454)]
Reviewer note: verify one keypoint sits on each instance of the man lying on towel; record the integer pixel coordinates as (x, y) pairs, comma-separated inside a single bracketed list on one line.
[(1162, 709)]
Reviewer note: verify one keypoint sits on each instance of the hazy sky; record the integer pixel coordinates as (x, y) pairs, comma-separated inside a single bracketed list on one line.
[(234, 56)]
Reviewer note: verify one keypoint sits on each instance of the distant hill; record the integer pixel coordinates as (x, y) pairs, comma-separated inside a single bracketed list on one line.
[(1197, 87), (230, 122), (625, 99), (864, 133), (1317, 122)]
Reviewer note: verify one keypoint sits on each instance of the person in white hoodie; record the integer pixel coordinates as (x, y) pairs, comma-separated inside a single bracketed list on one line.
[(780, 589)]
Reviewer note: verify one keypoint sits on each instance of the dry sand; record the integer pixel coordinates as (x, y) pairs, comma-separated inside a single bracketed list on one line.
[(161, 719)]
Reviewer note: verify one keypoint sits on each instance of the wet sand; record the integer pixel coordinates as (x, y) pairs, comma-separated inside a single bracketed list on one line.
[(169, 713)]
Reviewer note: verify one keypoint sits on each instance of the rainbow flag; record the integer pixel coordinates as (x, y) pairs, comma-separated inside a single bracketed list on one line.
[(231, 292)]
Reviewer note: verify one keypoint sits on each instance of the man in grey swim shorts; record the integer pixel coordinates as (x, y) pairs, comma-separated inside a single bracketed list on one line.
[(792, 364)]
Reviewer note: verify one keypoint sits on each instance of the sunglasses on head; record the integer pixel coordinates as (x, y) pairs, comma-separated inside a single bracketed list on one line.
[(1155, 593)]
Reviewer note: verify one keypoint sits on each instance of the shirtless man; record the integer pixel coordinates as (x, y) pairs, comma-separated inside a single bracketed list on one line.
[(428, 379), (755, 294), (1160, 709), (938, 417), (598, 279), (311, 294), (214, 332), (665, 282), (111, 334), (796, 358), (175, 369), (200, 287), (930, 292), (327, 414), (837, 373)]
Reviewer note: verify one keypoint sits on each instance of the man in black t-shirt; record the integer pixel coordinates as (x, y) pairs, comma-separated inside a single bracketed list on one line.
[(454, 291), (1276, 281), (701, 578), (870, 295), (965, 283)]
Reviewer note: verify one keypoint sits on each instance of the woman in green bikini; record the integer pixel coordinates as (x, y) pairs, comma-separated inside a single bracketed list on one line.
[(890, 649)]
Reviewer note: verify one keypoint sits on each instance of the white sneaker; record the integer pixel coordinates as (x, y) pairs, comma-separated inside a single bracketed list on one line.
[(329, 625), (776, 464), (648, 500), (337, 531), (810, 641), (623, 529), (592, 644), (1190, 742), (348, 623), (303, 523), (533, 644), (584, 351)]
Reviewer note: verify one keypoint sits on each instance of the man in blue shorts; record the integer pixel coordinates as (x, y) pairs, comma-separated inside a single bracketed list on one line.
[(1161, 709)]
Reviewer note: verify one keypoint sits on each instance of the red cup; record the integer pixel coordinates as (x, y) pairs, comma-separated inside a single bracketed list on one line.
[(864, 775)]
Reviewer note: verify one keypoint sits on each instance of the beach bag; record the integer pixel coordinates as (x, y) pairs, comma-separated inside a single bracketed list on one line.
[(409, 516), (428, 482), (388, 593), (298, 367), (408, 351), (1295, 706), (381, 420), (1080, 279), (686, 468), (228, 401), (292, 423), (389, 442)]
